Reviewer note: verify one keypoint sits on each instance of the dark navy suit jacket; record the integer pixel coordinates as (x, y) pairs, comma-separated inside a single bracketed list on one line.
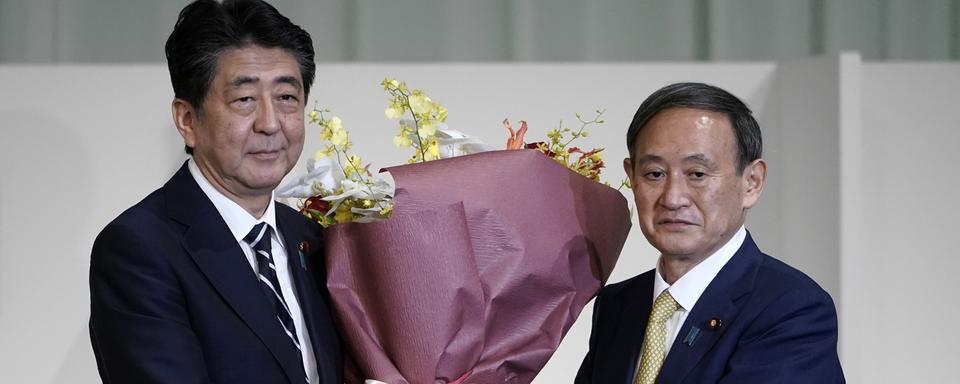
[(776, 326), (173, 298)]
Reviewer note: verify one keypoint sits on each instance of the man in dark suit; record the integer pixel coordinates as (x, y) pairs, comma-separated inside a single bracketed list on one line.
[(208, 279), (715, 309)]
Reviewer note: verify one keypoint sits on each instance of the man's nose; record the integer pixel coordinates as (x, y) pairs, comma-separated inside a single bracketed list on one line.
[(675, 193), (268, 120)]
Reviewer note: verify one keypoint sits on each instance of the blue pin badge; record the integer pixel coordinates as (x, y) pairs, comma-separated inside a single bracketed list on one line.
[(691, 336), (302, 250)]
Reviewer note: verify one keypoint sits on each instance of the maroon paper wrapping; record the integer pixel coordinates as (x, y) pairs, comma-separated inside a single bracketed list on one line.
[(485, 264)]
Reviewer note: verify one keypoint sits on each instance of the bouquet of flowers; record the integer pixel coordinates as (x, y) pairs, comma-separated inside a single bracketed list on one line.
[(474, 266)]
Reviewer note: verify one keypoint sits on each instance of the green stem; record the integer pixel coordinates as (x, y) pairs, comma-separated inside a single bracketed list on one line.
[(416, 127), (338, 152), (583, 125)]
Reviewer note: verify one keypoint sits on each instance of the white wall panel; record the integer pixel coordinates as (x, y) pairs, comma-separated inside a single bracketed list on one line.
[(907, 306), (81, 144)]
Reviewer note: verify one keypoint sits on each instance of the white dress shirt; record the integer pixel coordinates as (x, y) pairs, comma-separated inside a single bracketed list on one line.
[(240, 223), (689, 287)]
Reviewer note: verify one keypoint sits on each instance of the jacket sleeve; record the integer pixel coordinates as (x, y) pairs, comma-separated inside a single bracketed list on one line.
[(794, 340), (139, 325)]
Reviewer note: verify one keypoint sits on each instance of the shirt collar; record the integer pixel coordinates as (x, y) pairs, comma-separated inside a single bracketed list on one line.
[(238, 219), (688, 289)]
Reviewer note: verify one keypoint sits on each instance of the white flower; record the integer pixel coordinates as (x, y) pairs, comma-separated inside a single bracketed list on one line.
[(368, 214), (454, 143), (324, 175), (377, 191), (451, 143)]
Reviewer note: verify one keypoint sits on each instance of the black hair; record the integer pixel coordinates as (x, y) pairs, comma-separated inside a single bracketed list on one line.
[(706, 97), (205, 28)]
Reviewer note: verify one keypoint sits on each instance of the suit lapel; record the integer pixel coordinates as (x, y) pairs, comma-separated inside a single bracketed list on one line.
[(637, 301), (313, 309), (718, 301), (683, 357), (217, 254)]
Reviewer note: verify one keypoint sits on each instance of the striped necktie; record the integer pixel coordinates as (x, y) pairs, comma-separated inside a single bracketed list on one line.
[(654, 343), (259, 239)]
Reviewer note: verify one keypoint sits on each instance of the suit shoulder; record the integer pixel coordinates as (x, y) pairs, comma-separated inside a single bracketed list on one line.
[(145, 212), (778, 279), (629, 285), (144, 225), (774, 269)]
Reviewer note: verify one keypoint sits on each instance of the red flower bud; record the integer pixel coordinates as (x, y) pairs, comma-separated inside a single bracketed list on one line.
[(316, 203)]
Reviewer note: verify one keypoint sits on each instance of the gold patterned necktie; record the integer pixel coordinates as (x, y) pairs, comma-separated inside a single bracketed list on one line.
[(654, 343)]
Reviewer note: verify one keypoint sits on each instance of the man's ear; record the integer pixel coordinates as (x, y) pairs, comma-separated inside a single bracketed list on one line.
[(754, 176), (187, 120), (628, 168)]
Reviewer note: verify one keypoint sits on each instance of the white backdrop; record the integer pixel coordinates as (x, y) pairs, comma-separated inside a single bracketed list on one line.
[(85, 142)]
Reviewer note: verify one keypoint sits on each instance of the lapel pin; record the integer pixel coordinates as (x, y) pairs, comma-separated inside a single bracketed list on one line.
[(715, 323), (691, 336), (304, 248)]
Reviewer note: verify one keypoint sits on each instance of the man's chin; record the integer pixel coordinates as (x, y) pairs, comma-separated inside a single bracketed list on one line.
[(674, 244), (269, 174), (264, 182)]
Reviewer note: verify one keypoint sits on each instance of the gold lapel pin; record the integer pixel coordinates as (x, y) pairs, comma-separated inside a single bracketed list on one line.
[(715, 323)]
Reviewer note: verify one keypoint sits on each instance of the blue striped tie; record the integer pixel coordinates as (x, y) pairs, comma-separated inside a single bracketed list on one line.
[(259, 239)]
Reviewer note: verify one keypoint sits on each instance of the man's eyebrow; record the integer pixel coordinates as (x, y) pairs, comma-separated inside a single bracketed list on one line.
[(648, 158), (243, 80), (699, 158), (696, 157), (288, 80)]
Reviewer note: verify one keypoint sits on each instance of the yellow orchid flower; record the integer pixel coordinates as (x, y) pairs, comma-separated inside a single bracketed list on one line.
[(354, 165), (554, 135), (394, 111), (433, 150), (441, 113), (427, 129), (326, 151), (389, 84), (334, 123), (339, 138), (402, 140), (419, 102), (343, 214)]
